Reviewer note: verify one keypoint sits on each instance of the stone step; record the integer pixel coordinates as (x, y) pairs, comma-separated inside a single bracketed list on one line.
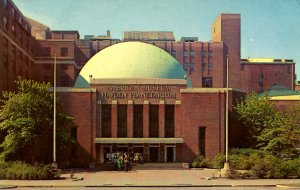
[(153, 166)]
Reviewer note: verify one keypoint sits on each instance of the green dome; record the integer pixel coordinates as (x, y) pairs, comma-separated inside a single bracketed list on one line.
[(130, 60)]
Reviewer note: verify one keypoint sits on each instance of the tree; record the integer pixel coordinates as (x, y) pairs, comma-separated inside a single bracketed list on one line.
[(26, 117), (275, 131)]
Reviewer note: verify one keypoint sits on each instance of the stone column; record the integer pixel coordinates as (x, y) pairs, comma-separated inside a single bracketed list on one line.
[(178, 120), (146, 119), (161, 129), (114, 118), (130, 119)]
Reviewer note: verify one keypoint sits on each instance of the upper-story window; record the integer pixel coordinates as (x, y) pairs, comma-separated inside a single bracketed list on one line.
[(185, 53), (210, 66), (207, 82), (185, 66), (20, 19), (12, 12), (64, 52), (173, 53), (5, 4), (192, 53), (192, 66), (5, 22)]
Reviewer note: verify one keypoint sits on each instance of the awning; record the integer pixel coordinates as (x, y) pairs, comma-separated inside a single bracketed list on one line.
[(138, 140)]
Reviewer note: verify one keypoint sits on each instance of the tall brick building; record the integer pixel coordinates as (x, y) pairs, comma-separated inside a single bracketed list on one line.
[(147, 93)]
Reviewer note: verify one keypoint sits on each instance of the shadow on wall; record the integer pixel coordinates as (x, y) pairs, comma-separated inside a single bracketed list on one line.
[(77, 157)]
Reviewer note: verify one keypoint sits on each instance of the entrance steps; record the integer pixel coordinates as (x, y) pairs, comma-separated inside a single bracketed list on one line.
[(157, 166), (144, 166)]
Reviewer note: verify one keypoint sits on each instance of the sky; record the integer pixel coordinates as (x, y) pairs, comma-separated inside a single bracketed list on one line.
[(269, 28)]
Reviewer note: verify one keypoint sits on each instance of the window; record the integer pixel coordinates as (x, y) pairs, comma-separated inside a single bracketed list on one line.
[(192, 53), (185, 66), (5, 22), (106, 120), (203, 53), (153, 120), (13, 30), (210, 66), (203, 66), (20, 20), (185, 53), (210, 53), (169, 120), (137, 120), (207, 82), (122, 120), (12, 12), (173, 53), (5, 4), (64, 52), (192, 66), (201, 140)]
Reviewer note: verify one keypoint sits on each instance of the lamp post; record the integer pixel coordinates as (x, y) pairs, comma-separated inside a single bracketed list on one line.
[(54, 113), (226, 164)]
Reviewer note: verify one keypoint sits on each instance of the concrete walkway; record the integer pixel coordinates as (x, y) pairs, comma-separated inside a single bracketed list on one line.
[(142, 178)]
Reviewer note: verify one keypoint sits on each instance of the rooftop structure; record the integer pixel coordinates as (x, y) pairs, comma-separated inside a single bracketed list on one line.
[(148, 36)]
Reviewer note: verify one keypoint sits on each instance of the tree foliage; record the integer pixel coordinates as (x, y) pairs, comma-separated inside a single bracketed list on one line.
[(269, 129), (26, 119)]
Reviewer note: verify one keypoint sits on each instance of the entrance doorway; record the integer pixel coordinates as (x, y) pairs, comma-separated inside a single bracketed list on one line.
[(105, 151), (170, 154), (154, 154)]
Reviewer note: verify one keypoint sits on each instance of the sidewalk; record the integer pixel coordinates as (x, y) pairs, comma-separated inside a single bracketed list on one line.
[(153, 178)]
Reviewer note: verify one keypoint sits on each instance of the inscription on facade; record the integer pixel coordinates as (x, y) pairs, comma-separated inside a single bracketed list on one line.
[(131, 91)]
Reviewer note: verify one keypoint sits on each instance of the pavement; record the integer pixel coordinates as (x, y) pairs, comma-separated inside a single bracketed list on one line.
[(150, 178)]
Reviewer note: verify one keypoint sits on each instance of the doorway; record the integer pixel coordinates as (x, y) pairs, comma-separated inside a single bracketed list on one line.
[(105, 151), (154, 154), (170, 153)]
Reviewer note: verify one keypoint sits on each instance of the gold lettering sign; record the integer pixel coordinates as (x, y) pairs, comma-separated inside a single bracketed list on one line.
[(135, 92)]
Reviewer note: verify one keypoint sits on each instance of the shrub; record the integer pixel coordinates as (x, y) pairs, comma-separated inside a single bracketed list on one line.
[(200, 162), (218, 161), (21, 170), (239, 162)]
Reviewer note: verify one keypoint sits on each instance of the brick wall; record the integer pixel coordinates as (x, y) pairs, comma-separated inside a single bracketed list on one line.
[(273, 74), (82, 106)]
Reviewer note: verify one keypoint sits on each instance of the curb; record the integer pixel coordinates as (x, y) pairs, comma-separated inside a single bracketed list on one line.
[(289, 186), (131, 185), (8, 186)]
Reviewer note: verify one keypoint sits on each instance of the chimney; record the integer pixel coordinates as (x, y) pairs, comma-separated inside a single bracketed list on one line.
[(108, 33)]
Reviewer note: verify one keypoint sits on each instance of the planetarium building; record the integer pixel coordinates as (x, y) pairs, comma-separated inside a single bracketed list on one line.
[(135, 97)]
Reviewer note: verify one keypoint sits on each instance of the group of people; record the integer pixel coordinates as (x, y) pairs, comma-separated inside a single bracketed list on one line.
[(122, 160)]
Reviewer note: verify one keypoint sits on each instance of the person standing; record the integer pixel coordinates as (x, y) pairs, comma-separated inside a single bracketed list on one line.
[(126, 163)]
